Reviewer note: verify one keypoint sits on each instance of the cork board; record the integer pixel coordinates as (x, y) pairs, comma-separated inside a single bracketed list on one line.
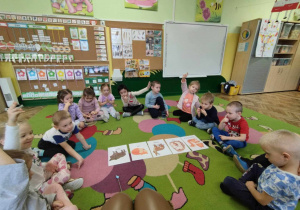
[(139, 47)]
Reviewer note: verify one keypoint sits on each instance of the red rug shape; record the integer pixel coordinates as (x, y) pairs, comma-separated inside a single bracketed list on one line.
[(174, 119), (86, 132)]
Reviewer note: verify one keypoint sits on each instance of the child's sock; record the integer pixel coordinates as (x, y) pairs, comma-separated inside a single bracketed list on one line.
[(140, 113), (126, 114), (164, 114), (39, 151)]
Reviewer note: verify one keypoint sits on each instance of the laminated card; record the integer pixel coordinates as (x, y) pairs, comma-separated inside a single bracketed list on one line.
[(139, 151), (159, 148), (177, 145), (118, 155), (194, 143)]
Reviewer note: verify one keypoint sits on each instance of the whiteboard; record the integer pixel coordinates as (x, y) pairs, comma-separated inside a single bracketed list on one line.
[(194, 48)]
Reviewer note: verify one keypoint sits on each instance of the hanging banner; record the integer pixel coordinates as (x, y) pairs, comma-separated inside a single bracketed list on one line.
[(70, 7), (290, 5)]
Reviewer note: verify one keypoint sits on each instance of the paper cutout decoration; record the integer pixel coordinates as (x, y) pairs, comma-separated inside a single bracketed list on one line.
[(194, 143), (84, 45), (69, 74), (42, 74), (126, 36), (82, 33), (209, 11), (21, 74), (76, 44), (159, 148), (70, 7), (141, 4), (60, 74), (32, 74), (139, 151), (51, 74), (138, 35), (78, 74), (177, 145), (116, 37), (74, 33), (118, 155)]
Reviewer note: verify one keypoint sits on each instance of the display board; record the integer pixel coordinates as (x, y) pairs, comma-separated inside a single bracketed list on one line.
[(194, 48), (139, 50)]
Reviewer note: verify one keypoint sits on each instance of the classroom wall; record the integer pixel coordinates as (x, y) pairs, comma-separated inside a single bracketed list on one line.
[(235, 12)]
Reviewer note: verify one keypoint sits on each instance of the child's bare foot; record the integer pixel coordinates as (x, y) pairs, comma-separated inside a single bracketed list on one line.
[(87, 147)]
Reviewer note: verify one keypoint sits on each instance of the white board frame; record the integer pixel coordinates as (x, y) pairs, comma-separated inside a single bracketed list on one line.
[(168, 71)]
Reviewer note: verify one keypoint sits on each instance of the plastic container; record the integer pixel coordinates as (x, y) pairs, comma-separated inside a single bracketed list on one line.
[(286, 30), (275, 61), (286, 48), (277, 48), (287, 61), (234, 90), (295, 32)]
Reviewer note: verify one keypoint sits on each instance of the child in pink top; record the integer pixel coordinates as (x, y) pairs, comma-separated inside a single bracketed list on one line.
[(106, 101), (89, 106), (189, 101)]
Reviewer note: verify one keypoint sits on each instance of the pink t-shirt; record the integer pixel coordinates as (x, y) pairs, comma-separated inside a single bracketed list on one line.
[(187, 103)]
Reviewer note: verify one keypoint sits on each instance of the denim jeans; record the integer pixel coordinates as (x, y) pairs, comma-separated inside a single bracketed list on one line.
[(234, 143), (203, 124)]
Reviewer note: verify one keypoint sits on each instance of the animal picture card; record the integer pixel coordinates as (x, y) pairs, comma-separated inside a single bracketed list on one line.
[(177, 145), (139, 151), (194, 143), (118, 155), (159, 148)]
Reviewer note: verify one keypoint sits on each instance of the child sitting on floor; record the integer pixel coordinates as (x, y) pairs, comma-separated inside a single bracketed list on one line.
[(207, 114), (238, 129), (155, 101), (277, 186), (89, 106), (65, 102), (20, 136), (131, 106), (56, 140), (189, 101), (107, 100)]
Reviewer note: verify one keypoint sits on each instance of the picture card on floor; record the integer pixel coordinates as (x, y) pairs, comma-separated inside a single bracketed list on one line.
[(118, 155), (139, 151), (194, 143), (177, 145), (159, 148)]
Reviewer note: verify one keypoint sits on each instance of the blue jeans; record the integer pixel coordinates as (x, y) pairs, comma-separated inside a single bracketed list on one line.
[(203, 124), (234, 143)]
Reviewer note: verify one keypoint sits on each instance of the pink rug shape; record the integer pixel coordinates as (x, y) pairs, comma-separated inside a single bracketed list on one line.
[(147, 125), (174, 119), (254, 136), (171, 102)]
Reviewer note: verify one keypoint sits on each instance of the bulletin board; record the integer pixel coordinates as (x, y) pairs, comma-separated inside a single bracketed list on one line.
[(139, 47), (39, 44)]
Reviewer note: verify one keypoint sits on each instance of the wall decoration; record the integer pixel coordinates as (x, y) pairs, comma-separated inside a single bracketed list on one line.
[(245, 34), (209, 10), (74, 7), (142, 4), (69, 74), (21, 74), (51, 74), (32, 74), (78, 74), (60, 74), (42, 74)]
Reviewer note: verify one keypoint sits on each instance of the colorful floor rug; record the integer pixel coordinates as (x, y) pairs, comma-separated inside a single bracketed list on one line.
[(192, 179)]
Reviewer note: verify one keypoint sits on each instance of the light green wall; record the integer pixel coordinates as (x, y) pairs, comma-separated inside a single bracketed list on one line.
[(234, 11)]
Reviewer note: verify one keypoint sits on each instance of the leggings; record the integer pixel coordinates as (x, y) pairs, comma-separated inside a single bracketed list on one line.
[(183, 116), (133, 109), (146, 199), (155, 112), (52, 149)]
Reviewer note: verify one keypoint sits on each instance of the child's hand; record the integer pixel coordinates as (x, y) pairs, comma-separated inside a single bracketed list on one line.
[(156, 106), (94, 112), (198, 111), (106, 101), (149, 85), (68, 104), (224, 138), (87, 146), (13, 113), (167, 113), (125, 99), (203, 112), (81, 125), (185, 76), (51, 167), (250, 184), (225, 120), (80, 162), (56, 205)]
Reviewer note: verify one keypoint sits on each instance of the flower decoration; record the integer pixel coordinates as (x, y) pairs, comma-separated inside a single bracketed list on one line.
[(51, 74), (42, 74), (206, 13), (70, 73), (60, 73), (21, 73), (78, 73), (202, 4)]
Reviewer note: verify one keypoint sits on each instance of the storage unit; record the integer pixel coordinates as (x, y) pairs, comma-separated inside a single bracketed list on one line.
[(268, 74)]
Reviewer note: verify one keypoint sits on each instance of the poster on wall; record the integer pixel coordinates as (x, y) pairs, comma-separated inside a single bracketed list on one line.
[(141, 4), (209, 10), (21, 74), (267, 38), (70, 7)]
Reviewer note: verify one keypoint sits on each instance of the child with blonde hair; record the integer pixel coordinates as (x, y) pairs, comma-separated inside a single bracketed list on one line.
[(107, 100), (19, 135), (89, 106), (277, 186), (189, 101), (65, 102), (56, 140), (207, 114)]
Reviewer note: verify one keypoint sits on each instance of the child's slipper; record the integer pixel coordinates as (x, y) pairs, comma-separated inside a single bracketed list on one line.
[(202, 159)]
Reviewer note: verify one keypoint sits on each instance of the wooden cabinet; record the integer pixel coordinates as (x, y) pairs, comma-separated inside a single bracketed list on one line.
[(277, 78)]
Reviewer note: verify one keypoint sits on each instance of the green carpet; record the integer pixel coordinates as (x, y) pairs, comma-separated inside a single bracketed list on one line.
[(207, 196)]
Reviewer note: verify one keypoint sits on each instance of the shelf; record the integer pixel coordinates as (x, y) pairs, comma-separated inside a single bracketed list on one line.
[(283, 53), (288, 39)]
